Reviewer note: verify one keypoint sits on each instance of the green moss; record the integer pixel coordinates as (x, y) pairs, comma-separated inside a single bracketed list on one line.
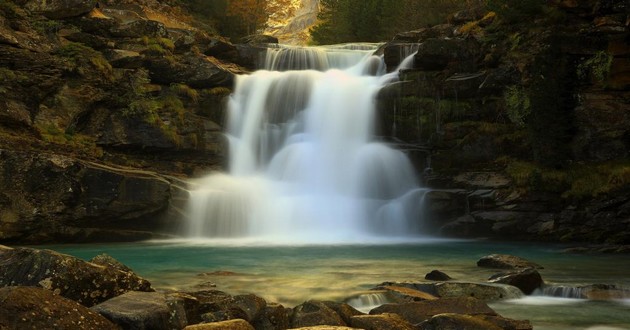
[(52, 134), (597, 67), (186, 91), (79, 57), (578, 181), (158, 46), (518, 104)]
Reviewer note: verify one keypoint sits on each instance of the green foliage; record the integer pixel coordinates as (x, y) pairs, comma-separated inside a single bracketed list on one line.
[(158, 46), (514, 11), (52, 134), (597, 67), (79, 57), (378, 20), (186, 91), (518, 105), (9, 9), (45, 26)]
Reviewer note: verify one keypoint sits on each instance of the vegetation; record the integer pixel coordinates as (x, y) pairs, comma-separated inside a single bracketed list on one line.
[(379, 20), (596, 67), (516, 10), (79, 57)]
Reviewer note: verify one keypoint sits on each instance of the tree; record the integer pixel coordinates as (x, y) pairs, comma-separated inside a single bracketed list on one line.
[(252, 13)]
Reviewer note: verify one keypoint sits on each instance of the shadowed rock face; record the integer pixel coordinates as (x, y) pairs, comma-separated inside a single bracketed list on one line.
[(36, 308), (67, 276)]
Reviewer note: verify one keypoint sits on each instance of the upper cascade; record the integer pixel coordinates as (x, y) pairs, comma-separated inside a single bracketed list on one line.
[(321, 58)]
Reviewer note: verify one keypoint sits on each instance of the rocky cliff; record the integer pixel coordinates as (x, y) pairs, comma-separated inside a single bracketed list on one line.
[(518, 123), (520, 120)]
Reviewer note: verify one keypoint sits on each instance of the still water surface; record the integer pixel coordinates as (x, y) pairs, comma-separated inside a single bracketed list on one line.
[(293, 274)]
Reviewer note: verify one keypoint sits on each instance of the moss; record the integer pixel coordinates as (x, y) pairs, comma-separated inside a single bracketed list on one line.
[(596, 67), (186, 91), (52, 134), (79, 57), (158, 46), (518, 104), (579, 181)]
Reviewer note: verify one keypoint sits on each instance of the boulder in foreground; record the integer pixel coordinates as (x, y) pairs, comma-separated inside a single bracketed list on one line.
[(84, 282), (36, 308)]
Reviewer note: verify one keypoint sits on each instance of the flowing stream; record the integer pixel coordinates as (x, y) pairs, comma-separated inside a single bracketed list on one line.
[(304, 164)]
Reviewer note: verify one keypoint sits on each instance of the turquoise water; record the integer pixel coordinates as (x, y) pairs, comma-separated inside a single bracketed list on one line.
[(293, 274)]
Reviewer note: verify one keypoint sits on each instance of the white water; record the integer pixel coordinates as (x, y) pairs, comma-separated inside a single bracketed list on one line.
[(304, 165)]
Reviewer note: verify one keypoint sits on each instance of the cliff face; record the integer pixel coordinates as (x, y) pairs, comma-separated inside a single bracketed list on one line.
[(526, 120), (520, 124), (290, 20)]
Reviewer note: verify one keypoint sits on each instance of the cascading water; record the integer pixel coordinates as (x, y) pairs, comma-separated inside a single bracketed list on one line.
[(304, 165)]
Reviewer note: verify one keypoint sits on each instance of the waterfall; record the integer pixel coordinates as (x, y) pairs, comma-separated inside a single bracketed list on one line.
[(365, 302), (304, 166)]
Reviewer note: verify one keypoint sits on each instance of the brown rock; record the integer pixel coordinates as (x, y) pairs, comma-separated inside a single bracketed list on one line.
[(36, 308), (527, 279), (416, 312), (313, 313), (381, 321), (70, 277), (450, 321), (236, 324), (504, 261), (436, 275)]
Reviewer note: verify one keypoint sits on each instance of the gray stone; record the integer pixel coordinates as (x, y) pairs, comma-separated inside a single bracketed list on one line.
[(57, 9), (313, 313), (505, 261), (140, 310)]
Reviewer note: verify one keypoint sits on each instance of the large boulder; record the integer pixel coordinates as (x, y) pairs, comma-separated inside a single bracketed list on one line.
[(236, 324), (454, 289), (527, 279), (57, 9), (142, 310), (419, 311), (506, 261), (52, 198), (36, 308), (67, 276), (312, 313)]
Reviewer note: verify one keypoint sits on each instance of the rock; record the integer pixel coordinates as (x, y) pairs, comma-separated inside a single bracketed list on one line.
[(449, 321), (236, 324), (275, 316), (312, 313), (58, 9), (527, 279), (381, 321), (504, 261), (459, 55), (196, 71), (259, 39), (436, 275), (325, 327), (70, 277), (344, 310), (36, 308), (407, 294), (141, 310), (108, 261), (52, 198), (604, 292), (416, 312), (221, 49), (451, 289), (252, 305), (140, 28)]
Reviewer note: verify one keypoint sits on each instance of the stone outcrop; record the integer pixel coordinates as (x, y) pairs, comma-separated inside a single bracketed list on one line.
[(36, 308), (453, 289), (527, 279), (416, 312), (47, 198), (67, 276), (506, 261)]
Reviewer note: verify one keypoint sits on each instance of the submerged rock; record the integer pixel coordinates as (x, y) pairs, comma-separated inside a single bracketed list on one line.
[(527, 279), (67, 276), (36, 308), (505, 261)]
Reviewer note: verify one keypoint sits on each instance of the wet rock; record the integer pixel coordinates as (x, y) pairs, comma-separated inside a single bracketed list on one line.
[(219, 306), (196, 71), (141, 310), (344, 310), (236, 324), (36, 308), (275, 316), (70, 277), (416, 312), (451, 321), (381, 321), (312, 313), (438, 54), (252, 305), (108, 261), (482, 291), (221, 49), (436, 275), (52, 198), (505, 261), (259, 39), (407, 294), (57, 9), (527, 279)]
